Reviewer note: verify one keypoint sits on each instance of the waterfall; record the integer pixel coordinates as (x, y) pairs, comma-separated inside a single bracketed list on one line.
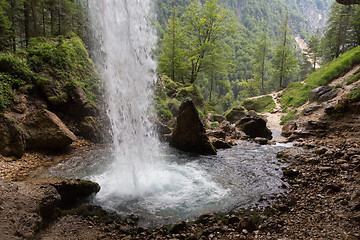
[(122, 27)]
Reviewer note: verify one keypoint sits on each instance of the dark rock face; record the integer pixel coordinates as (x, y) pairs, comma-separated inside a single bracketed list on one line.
[(219, 144), (189, 134), (254, 126), (90, 128), (236, 114), (322, 94), (44, 130), (11, 138), (348, 2)]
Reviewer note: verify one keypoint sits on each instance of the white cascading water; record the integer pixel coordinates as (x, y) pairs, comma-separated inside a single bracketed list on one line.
[(127, 42), (139, 175)]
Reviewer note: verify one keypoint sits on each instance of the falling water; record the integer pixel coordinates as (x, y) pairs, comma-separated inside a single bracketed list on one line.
[(127, 42), (139, 175)]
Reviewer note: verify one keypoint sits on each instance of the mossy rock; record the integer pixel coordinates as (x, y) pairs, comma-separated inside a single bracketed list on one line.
[(170, 86), (260, 104), (235, 114), (192, 92)]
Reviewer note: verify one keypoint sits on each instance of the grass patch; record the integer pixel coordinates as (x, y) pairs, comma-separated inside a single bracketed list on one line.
[(354, 78), (288, 117), (261, 104), (296, 94), (355, 95)]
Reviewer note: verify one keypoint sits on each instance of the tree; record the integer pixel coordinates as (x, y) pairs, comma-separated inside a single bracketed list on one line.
[(260, 60), (172, 60), (205, 26), (5, 32), (336, 40), (284, 60), (313, 50)]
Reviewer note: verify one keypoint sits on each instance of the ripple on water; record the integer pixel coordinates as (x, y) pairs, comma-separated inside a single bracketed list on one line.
[(182, 186)]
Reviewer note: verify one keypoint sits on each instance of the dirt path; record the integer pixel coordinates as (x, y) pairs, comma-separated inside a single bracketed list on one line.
[(274, 118)]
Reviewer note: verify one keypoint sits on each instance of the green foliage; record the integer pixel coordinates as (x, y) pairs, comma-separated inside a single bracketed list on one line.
[(288, 117), (63, 62), (296, 94), (354, 78), (355, 95), (343, 31), (259, 104), (14, 76), (191, 91)]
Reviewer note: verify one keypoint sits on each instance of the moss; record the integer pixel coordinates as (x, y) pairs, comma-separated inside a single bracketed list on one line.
[(61, 61), (288, 117), (192, 92), (15, 76), (260, 104)]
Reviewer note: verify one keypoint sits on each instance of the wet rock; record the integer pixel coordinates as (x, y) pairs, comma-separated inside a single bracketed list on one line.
[(290, 173), (162, 128), (12, 141), (178, 227), (219, 118), (72, 190), (322, 94), (248, 224), (236, 114), (233, 220), (216, 133), (219, 144), (254, 126), (189, 134), (261, 141), (330, 189), (90, 128), (44, 130), (289, 128), (320, 151)]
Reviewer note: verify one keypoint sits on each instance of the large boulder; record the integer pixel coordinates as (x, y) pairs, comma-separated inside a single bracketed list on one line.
[(44, 130), (189, 134), (11, 138), (235, 114), (73, 190), (254, 126), (24, 208)]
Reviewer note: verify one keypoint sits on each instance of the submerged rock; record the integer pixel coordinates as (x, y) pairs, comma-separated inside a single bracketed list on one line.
[(189, 134), (44, 130)]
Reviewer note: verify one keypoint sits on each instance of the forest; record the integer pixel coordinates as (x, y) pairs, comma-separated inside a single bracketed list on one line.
[(230, 50)]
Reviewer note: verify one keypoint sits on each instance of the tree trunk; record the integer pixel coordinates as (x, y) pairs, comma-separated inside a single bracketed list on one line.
[(13, 33), (26, 22), (33, 10)]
